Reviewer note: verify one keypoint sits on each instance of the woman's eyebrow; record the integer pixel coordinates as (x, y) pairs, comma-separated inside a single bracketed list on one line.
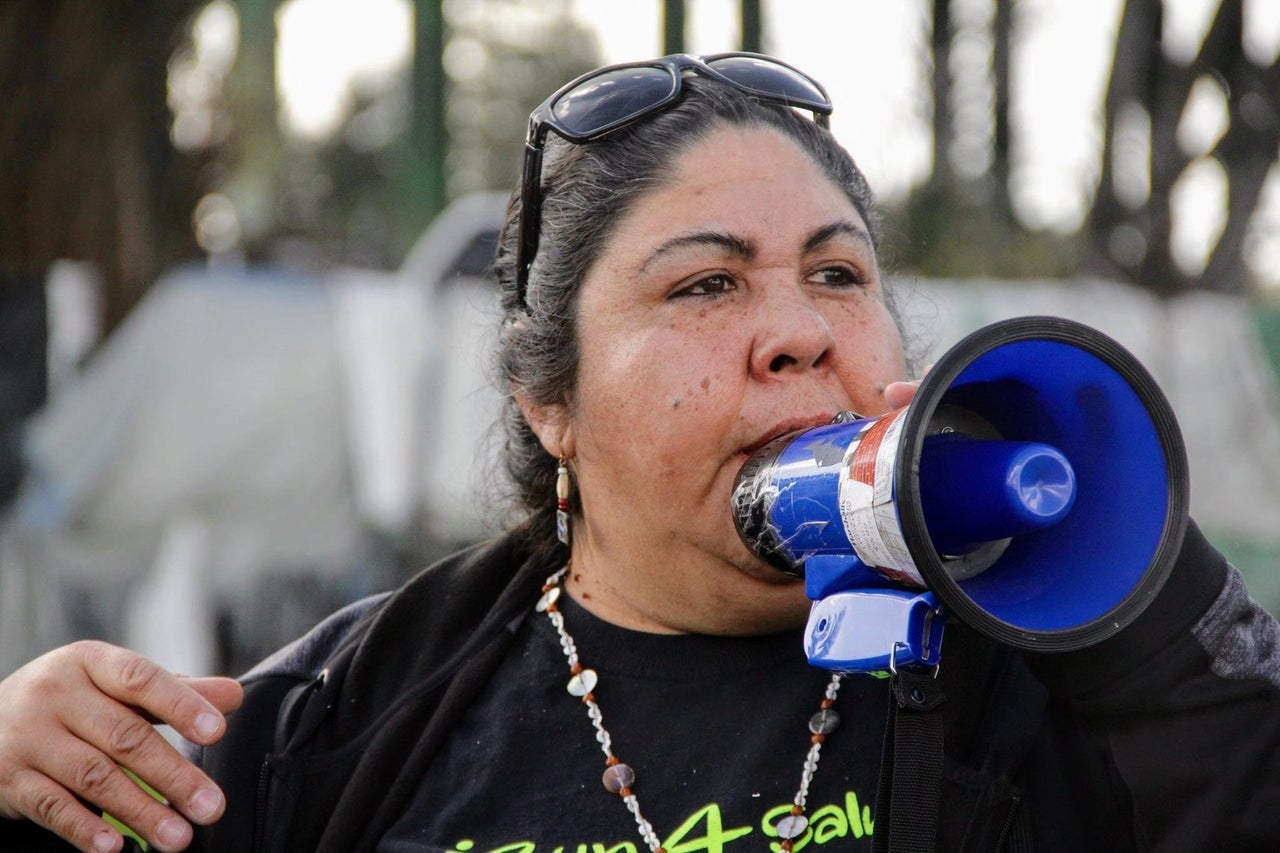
[(843, 227), (732, 244)]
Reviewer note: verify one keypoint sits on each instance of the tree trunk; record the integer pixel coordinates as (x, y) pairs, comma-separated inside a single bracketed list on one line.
[(89, 172), (256, 144), (424, 193), (940, 85), (1001, 62), (1137, 41), (24, 370), (1247, 150), (673, 26), (752, 26)]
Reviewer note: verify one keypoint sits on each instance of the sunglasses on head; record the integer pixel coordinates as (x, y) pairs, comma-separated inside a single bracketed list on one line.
[(607, 99)]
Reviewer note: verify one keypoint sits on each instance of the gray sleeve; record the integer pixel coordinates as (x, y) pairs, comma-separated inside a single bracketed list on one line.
[(1241, 638)]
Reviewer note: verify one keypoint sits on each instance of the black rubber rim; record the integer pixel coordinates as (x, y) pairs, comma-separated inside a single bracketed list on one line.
[(911, 514)]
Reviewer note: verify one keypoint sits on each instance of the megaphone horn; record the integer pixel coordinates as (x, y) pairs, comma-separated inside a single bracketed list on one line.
[(1037, 486)]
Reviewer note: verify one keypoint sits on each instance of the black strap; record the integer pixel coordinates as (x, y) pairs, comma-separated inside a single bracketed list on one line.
[(910, 765)]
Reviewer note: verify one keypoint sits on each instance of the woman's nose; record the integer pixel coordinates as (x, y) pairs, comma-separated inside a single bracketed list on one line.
[(793, 336)]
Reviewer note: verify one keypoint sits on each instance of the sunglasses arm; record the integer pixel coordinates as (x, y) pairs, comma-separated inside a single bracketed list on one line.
[(530, 208)]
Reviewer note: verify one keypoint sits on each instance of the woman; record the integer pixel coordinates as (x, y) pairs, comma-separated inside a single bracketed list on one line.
[(688, 272)]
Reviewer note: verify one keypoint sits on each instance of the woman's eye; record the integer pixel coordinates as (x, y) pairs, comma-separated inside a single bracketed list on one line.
[(837, 276), (711, 285)]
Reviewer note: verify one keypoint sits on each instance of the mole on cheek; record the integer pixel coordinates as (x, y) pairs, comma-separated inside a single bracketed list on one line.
[(706, 383), (675, 403)]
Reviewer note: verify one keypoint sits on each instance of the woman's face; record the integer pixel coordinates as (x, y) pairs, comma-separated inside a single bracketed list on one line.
[(739, 301)]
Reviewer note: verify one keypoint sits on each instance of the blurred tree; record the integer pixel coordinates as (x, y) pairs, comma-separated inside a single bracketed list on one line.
[(89, 171), (24, 371), (752, 21), (342, 197), (502, 58), (1131, 228), (423, 191), (253, 154), (961, 220), (673, 24), (451, 124)]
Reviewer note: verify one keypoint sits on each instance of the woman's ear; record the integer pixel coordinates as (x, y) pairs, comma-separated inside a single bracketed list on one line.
[(551, 424)]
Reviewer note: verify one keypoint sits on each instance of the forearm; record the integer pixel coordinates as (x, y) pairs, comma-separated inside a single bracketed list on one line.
[(1186, 703)]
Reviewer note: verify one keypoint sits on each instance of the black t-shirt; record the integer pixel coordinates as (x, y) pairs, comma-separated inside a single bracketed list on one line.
[(716, 730)]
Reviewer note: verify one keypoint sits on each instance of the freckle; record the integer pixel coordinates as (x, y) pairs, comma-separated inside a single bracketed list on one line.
[(706, 382), (586, 595), (577, 577)]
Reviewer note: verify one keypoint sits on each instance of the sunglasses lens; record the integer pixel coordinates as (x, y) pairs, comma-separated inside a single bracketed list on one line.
[(610, 99), (770, 79)]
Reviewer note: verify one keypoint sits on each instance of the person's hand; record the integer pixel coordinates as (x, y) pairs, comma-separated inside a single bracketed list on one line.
[(73, 718)]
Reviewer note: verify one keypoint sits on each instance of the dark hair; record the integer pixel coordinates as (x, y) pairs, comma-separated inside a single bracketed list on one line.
[(586, 190)]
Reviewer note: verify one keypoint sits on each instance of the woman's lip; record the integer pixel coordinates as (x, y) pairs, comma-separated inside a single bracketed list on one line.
[(787, 427)]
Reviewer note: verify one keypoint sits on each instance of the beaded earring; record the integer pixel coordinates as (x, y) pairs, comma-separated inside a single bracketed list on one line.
[(562, 502)]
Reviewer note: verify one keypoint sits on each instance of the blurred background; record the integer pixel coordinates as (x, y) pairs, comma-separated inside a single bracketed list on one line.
[(244, 245)]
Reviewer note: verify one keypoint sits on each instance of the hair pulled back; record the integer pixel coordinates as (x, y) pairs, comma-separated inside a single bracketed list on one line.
[(587, 189)]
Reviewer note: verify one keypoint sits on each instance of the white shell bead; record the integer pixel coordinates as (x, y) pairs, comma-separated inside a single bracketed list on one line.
[(582, 683), (549, 598), (792, 826)]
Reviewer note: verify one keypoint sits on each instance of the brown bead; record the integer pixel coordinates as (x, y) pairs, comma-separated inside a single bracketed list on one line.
[(817, 738), (618, 779), (824, 722), (827, 703)]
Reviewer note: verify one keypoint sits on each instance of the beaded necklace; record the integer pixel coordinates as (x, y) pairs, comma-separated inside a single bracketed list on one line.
[(619, 777)]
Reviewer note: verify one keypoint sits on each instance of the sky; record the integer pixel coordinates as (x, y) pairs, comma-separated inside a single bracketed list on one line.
[(866, 52)]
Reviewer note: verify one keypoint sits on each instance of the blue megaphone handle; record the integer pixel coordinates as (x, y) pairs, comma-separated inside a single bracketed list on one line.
[(875, 631), (826, 574)]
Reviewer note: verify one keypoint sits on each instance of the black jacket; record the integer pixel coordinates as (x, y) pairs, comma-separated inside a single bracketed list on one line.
[(1165, 737)]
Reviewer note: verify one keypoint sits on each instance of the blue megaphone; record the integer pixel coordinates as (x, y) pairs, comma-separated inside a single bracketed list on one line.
[(1036, 488)]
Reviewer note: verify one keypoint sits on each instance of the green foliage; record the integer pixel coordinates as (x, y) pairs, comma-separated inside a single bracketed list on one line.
[(1267, 319), (948, 232)]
